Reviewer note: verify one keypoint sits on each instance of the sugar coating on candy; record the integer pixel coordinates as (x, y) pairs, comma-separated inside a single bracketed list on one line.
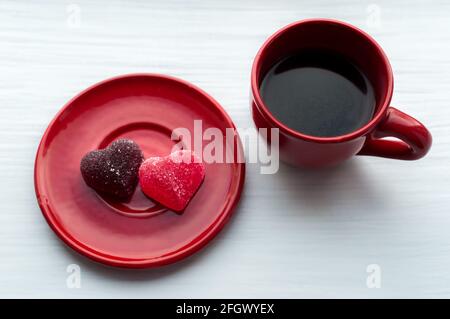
[(172, 180), (114, 170)]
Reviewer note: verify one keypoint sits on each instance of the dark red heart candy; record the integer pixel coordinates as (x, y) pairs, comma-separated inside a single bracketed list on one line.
[(114, 170)]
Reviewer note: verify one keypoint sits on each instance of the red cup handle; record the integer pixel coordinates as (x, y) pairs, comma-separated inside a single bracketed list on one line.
[(414, 138)]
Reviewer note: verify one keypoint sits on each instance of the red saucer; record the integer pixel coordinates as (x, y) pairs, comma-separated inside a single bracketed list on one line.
[(139, 234)]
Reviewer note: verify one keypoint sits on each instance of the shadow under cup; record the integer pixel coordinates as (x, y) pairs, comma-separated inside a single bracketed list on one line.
[(334, 37)]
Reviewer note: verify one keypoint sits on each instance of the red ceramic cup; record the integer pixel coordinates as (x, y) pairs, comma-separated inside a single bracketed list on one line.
[(412, 140)]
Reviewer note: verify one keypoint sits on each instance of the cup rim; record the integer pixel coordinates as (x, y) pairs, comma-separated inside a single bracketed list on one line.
[(382, 106)]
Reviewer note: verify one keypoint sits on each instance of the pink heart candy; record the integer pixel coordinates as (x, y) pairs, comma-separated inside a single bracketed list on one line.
[(172, 180)]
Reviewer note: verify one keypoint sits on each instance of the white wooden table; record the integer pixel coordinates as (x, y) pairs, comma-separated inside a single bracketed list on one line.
[(296, 234)]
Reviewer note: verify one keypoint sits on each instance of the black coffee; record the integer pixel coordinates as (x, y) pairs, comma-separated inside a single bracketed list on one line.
[(318, 93)]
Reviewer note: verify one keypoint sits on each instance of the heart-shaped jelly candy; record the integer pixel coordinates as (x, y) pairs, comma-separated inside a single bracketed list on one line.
[(114, 170), (172, 180)]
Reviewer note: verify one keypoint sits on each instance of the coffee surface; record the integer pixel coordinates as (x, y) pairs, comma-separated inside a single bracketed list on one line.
[(318, 93)]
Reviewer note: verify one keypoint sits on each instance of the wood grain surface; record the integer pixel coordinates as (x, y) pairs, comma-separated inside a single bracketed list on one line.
[(296, 234)]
